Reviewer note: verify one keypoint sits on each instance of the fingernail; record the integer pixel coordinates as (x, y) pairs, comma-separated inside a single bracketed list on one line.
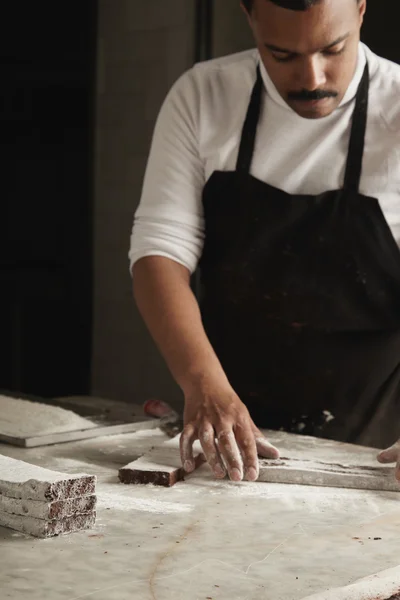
[(188, 466), (235, 475), (251, 474), (219, 472)]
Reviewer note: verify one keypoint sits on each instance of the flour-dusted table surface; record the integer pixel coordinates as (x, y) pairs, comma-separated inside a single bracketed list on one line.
[(203, 539)]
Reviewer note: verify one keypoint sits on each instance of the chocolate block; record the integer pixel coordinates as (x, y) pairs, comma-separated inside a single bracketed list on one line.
[(60, 509), (160, 466), (19, 479), (44, 529)]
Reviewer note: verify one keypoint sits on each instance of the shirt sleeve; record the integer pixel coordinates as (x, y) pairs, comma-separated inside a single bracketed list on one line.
[(169, 220)]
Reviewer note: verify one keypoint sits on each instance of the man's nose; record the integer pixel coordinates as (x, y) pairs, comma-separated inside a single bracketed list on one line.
[(312, 75)]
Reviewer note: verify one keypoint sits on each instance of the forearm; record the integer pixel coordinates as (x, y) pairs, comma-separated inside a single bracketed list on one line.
[(170, 310)]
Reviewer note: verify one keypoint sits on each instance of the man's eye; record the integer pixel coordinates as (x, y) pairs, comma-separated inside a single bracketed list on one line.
[(335, 51), (282, 56)]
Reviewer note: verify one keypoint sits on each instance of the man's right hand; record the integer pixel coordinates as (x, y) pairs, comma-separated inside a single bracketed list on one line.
[(214, 413), (221, 422)]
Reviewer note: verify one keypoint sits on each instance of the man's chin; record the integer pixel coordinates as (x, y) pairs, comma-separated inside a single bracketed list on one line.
[(314, 109)]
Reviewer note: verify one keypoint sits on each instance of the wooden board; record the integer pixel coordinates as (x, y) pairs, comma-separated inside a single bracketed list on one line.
[(74, 436), (320, 474), (109, 418), (382, 586), (162, 466)]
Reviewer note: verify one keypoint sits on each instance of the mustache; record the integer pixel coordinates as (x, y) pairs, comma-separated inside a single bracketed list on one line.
[(306, 95)]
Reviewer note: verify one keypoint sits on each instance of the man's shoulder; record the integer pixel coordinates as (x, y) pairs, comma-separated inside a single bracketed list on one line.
[(385, 89), (385, 73), (214, 84), (239, 60), (231, 70)]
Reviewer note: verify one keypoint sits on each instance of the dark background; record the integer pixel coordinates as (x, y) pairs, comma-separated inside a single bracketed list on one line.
[(48, 57)]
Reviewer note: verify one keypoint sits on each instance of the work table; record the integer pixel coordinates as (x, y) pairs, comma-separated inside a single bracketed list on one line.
[(202, 539)]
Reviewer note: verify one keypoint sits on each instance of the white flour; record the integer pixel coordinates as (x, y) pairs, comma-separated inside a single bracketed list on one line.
[(317, 500), (115, 501), (22, 418)]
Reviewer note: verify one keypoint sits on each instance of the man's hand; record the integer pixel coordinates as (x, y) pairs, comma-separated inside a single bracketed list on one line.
[(222, 424), (213, 412), (391, 455)]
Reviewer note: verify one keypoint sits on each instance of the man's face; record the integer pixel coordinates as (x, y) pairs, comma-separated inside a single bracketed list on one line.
[(310, 55)]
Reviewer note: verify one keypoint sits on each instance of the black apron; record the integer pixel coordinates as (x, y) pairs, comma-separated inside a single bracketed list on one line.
[(301, 296)]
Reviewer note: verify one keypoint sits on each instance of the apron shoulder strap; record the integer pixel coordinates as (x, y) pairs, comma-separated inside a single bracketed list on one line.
[(249, 131), (357, 137)]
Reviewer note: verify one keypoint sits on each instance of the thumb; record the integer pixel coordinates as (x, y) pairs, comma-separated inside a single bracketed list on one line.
[(264, 448), (156, 408), (390, 455)]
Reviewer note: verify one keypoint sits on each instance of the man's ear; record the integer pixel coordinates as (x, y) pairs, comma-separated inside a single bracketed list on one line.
[(248, 16), (362, 9)]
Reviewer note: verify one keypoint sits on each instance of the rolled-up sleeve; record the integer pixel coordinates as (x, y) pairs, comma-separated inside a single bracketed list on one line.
[(169, 221)]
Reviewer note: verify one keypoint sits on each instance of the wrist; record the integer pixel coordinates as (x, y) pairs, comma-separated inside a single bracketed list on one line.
[(204, 382)]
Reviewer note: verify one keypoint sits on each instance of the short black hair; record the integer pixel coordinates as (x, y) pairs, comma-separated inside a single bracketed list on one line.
[(289, 4)]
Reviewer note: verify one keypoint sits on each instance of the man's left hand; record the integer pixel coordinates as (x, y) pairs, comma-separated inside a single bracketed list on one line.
[(391, 455)]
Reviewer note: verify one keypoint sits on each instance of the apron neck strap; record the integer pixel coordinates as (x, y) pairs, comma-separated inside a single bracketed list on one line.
[(357, 138), (249, 131)]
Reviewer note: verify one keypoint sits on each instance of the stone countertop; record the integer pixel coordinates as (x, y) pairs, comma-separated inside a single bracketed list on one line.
[(203, 539)]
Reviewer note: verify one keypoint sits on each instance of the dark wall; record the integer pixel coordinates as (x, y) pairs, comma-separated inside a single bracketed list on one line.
[(143, 48), (381, 28), (47, 61), (230, 32)]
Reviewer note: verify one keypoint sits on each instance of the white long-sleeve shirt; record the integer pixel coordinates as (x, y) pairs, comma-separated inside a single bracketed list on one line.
[(198, 131)]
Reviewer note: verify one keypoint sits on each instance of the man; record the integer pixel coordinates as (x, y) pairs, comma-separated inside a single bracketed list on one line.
[(278, 172)]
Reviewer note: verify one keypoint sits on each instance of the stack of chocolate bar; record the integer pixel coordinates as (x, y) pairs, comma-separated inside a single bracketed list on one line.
[(45, 503)]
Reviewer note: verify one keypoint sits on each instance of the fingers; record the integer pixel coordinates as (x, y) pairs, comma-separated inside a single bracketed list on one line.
[(187, 440), (211, 452), (230, 451), (264, 448), (247, 446), (238, 450), (207, 439)]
